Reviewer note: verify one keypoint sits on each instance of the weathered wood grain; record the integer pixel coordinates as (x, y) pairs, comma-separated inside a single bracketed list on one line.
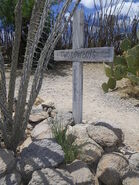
[(103, 54), (78, 42)]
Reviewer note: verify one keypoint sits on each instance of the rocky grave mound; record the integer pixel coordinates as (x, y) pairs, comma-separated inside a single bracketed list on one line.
[(102, 158)]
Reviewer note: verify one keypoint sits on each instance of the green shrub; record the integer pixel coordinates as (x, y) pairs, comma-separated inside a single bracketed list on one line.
[(71, 151), (125, 66)]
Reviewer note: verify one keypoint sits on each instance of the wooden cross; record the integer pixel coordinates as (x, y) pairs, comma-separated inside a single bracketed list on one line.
[(78, 55)]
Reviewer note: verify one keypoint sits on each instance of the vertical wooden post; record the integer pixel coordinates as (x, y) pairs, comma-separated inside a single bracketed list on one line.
[(78, 42)]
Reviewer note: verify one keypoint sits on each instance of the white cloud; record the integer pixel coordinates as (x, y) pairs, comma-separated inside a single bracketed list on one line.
[(128, 9), (105, 3), (88, 3)]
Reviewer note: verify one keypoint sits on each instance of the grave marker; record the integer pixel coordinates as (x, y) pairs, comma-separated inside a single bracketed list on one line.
[(78, 55)]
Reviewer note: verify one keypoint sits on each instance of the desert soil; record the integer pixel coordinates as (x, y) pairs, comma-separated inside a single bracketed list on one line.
[(97, 106)]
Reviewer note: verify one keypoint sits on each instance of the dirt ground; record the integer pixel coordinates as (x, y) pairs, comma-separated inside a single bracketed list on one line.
[(97, 106)]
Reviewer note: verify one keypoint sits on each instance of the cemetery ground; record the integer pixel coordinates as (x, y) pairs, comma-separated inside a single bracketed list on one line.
[(43, 139), (114, 107), (92, 153)]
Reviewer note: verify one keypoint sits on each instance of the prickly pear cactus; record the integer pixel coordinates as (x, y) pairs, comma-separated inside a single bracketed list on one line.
[(105, 87), (132, 58), (125, 45), (120, 72), (120, 60), (125, 66), (111, 83)]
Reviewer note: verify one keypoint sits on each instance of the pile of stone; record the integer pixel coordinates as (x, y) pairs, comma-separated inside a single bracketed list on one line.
[(42, 112), (102, 149), (103, 159)]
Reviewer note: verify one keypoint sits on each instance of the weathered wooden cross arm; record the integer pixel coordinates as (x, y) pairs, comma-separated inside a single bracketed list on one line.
[(103, 54)]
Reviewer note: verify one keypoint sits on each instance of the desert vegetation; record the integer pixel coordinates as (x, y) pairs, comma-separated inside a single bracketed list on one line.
[(108, 21), (125, 66), (13, 126), (40, 140)]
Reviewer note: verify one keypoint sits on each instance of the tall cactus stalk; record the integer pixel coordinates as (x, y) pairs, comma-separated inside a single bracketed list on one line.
[(13, 127)]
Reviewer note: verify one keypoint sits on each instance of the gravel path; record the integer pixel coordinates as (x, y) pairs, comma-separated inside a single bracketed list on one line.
[(110, 108)]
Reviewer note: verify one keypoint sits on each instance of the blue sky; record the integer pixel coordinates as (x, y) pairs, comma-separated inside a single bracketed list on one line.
[(134, 10)]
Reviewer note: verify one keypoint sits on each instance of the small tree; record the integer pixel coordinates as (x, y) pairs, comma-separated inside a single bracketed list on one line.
[(7, 11), (13, 126)]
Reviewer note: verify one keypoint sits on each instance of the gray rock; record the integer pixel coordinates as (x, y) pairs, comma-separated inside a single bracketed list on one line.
[(77, 131), (63, 119), (48, 104), (53, 113), (29, 127), (131, 178), (11, 179), (126, 150), (49, 176), (1, 139), (38, 117), (7, 161), (105, 135), (80, 173), (111, 168), (40, 154), (90, 151), (38, 102), (36, 109), (25, 144), (42, 131), (134, 162), (49, 111)]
